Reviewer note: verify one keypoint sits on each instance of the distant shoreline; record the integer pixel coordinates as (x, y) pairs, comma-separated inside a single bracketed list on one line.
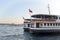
[(11, 24)]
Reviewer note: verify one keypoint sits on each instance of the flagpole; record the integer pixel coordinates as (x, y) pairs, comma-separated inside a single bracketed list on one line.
[(30, 20), (30, 11), (48, 9)]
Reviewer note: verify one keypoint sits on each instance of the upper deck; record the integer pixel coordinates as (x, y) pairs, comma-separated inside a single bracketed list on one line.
[(43, 16), (46, 17)]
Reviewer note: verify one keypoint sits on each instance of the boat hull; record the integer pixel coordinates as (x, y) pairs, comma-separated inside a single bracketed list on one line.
[(26, 29), (44, 30)]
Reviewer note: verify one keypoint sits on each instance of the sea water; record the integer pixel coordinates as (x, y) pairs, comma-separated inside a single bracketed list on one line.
[(8, 32)]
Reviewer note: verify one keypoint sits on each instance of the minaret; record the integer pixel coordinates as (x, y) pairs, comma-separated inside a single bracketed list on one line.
[(48, 9)]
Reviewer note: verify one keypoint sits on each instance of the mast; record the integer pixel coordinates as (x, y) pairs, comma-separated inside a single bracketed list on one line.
[(48, 9)]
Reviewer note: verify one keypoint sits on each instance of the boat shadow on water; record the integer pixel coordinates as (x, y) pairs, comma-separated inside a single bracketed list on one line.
[(41, 36)]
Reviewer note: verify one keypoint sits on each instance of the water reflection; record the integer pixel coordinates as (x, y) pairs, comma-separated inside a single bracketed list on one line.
[(51, 36)]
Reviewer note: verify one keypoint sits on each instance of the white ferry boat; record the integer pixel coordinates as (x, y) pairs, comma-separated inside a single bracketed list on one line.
[(42, 23)]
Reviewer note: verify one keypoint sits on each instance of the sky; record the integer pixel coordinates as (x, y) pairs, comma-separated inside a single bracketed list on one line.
[(13, 11)]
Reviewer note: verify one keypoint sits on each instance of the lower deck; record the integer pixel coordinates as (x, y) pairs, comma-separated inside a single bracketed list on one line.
[(43, 26)]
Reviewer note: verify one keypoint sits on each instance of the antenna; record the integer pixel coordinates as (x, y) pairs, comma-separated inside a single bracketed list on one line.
[(48, 9)]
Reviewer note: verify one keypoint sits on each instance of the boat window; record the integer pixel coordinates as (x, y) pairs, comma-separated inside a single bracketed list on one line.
[(32, 25), (37, 25), (55, 17), (56, 24), (38, 16), (59, 24), (41, 24), (46, 16), (47, 24), (43, 17), (50, 24), (28, 25), (44, 24), (53, 24)]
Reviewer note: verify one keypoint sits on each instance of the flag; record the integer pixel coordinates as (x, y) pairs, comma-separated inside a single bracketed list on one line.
[(30, 11)]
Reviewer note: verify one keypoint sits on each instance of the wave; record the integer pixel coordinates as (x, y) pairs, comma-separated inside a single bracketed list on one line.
[(19, 36)]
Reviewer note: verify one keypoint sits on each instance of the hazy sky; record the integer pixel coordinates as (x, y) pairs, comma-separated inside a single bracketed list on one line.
[(12, 11)]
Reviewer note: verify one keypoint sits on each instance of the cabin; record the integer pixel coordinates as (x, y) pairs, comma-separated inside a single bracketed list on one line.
[(41, 21)]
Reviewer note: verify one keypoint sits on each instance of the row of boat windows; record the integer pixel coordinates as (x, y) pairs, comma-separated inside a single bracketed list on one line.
[(27, 25), (44, 24), (48, 17), (51, 24)]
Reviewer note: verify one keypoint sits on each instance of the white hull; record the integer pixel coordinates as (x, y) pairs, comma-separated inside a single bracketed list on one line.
[(42, 30)]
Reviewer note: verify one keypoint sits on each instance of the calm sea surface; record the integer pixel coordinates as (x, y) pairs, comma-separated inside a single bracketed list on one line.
[(16, 33)]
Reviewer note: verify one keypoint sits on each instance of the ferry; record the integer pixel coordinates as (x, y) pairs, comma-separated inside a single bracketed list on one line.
[(42, 23)]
